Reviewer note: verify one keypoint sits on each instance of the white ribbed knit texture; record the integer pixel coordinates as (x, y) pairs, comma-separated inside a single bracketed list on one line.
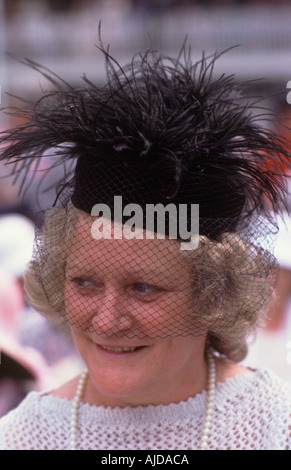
[(251, 411)]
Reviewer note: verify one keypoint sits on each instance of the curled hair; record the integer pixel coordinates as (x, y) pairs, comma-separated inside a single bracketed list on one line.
[(44, 280), (222, 270)]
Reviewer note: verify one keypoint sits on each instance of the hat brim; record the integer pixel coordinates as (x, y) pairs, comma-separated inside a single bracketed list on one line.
[(15, 360), (10, 367)]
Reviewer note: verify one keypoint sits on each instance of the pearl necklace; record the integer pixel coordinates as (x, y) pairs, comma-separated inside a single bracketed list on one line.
[(75, 409), (210, 400), (208, 415)]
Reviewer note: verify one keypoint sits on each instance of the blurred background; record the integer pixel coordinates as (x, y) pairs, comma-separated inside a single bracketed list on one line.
[(62, 35)]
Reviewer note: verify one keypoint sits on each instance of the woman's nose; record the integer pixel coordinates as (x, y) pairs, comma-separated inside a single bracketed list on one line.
[(111, 315)]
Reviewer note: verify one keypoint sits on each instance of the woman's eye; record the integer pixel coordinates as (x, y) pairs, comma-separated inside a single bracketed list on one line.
[(82, 282), (143, 288)]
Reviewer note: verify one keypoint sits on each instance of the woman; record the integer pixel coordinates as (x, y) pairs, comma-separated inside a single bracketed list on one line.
[(158, 295)]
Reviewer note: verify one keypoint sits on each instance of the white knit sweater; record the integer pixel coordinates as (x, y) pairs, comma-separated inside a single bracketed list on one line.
[(252, 411)]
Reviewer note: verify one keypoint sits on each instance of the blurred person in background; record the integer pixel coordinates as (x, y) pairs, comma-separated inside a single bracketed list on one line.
[(56, 347), (21, 369), (271, 346), (16, 243)]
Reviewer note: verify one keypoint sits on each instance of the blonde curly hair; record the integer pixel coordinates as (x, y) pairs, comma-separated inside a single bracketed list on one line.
[(223, 271), (230, 279)]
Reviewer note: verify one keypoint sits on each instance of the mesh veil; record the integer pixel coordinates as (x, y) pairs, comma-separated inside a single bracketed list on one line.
[(160, 138)]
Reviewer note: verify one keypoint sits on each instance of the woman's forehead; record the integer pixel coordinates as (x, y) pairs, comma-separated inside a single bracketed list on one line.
[(161, 254)]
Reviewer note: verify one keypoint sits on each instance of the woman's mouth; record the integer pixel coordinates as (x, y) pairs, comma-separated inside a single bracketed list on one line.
[(122, 349), (119, 349)]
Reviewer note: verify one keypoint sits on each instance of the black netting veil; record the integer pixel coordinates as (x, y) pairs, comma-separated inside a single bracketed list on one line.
[(164, 227)]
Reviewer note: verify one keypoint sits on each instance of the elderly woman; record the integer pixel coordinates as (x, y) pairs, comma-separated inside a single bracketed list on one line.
[(157, 257)]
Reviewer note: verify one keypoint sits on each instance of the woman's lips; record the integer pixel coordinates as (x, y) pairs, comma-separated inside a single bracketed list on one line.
[(119, 350)]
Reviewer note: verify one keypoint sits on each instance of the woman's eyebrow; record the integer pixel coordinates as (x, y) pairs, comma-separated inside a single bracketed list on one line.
[(154, 274), (140, 272)]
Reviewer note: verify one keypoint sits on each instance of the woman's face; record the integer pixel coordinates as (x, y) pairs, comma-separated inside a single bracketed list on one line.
[(127, 301)]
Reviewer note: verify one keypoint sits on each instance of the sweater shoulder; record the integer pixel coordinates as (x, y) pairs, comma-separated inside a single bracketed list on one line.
[(264, 380), (258, 407), (28, 426), (262, 388)]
